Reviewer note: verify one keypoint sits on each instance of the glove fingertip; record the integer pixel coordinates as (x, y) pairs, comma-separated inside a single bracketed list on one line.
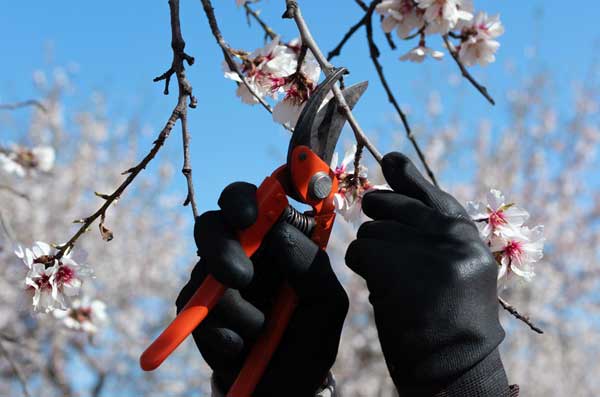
[(353, 256), (238, 204)]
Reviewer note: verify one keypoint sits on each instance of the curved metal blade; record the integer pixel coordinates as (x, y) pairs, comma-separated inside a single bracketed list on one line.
[(319, 127), (329, 122), (304, 126)]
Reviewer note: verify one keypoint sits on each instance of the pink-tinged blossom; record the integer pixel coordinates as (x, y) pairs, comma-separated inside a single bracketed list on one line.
[(402, 15), (297, 88), (264, 69), (497, 216), (516, 247), (420, 52), (518, 254), (351, 186), (478, 44), (51, 280), (84, 315), (443, 15)]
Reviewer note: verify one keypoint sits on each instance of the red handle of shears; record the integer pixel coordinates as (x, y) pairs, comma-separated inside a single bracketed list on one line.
[(272, 201)]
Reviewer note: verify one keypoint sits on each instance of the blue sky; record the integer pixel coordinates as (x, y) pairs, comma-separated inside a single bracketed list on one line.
[(120, 46)]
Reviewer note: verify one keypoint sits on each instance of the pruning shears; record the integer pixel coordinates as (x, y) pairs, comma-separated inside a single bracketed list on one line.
[(307, 178)]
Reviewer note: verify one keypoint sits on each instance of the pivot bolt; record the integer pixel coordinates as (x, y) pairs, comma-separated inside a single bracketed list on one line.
[(320, 185)]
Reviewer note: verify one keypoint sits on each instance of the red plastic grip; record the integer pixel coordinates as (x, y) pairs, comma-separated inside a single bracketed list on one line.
[(272, 201)]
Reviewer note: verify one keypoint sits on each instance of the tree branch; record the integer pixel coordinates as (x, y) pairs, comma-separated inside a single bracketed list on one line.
[(338, 48), (293, 11), (227, 52), (131, 173), (482, 89), (185, 90), (374, 53), (178, 113), (250, 11), (511, 309), (16, 369), (17, 105)]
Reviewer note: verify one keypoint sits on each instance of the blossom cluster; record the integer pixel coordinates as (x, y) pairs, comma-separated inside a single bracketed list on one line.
[(515, 246), (51, 280), (456, 18), (272, 71), (20, 161), (352, 185)]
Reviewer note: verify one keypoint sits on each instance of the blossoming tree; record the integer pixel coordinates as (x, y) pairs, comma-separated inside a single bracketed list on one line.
[(68, 299)]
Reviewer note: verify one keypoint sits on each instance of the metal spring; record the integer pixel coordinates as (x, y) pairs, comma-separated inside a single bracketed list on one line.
[(302, 222)]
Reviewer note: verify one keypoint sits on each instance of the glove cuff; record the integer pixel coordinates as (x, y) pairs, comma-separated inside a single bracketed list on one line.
[(327, 390), (486, 378)]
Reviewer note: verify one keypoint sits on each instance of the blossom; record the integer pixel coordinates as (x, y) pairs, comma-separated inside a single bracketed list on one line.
[(478, 44), (20, 160), (84, 315), (10, 166), (264, 69), (496, 217), (402, 15), (443, 15), (419, 53), (52, 280), (515, 246), (351, 186), (298, 88), (518, 253)]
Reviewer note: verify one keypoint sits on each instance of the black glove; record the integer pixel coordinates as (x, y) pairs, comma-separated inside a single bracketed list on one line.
[(432, 284), (309, 346)]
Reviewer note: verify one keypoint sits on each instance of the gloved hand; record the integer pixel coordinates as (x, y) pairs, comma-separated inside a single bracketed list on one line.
[(309, 346), (432, 284)]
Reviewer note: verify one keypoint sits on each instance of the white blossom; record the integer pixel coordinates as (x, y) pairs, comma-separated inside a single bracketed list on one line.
[(52, 280), (443, 15), (351, 186), (419, 53), (478, 44), (402, 15), (501, 225), (297, 89), (497, 216), (84, 315), (518, 253)]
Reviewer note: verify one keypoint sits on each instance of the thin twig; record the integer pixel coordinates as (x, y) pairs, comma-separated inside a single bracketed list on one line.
[(293, 11), (388, 36), (250, 11), (17, 105), (227, 52), (374, 53), (511, 309), (131, 173), (178, 113), (187, 167), (338, 48), (361, 4), (482, 89), (301, 56), (16, 369), (185, 90)]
